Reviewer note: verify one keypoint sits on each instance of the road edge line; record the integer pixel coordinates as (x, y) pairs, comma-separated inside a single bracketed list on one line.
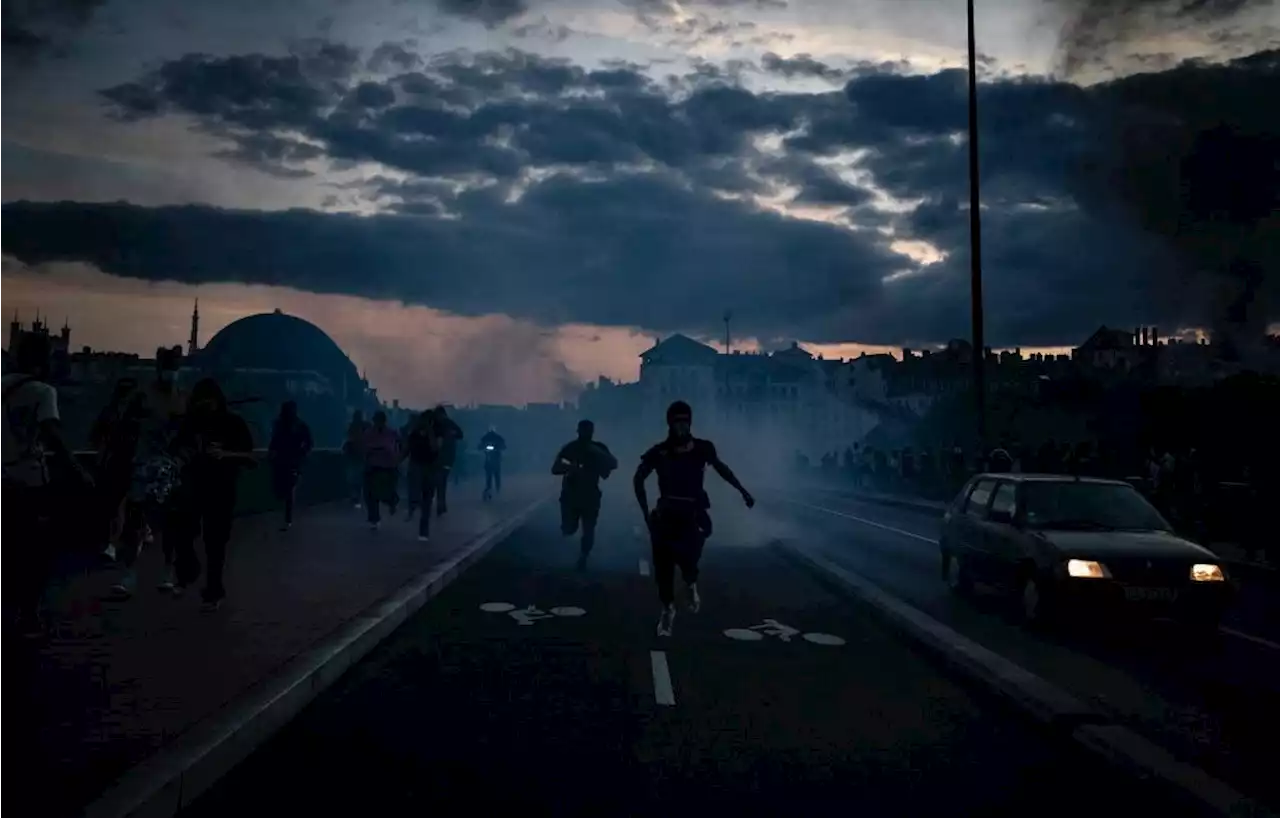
[(173, 777), (1115, 744)]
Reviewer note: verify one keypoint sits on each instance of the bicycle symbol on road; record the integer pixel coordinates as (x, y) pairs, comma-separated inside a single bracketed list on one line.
[(773, 627), (531, 614)]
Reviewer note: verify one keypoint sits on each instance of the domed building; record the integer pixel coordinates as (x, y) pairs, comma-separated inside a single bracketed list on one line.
[(263, 360)]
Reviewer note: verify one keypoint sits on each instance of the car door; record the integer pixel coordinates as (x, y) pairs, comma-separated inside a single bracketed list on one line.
[(1003, 543), (973, 526)]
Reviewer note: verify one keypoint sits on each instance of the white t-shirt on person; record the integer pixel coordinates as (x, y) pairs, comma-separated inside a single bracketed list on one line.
[(26, 405)]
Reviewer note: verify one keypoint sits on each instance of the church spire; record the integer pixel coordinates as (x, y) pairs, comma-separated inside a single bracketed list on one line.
[(193, 343)]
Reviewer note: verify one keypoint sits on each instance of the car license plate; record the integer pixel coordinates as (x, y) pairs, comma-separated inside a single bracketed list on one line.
[(1142, 594)]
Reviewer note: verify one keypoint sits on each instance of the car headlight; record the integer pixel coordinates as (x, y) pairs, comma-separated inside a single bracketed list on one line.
[(1087, 569), (1207, 572)]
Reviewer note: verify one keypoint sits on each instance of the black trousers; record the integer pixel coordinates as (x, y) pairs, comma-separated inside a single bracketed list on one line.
[(584, 511), (429, 484), (443, 474), (204, 511), (284, 480), (493, 479), (29, 546), (677, 535)]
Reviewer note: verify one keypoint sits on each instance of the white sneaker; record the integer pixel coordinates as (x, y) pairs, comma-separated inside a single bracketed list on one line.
[(667, 620), (359, 505), (127, 584), (109, 553), (695, 599), (423, 538), (169, 582)]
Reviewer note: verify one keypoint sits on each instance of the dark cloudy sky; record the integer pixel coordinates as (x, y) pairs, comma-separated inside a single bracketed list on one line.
[(492, 199)]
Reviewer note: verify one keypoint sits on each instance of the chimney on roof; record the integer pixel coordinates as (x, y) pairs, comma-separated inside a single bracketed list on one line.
[(1144, 336), (1155, 336)]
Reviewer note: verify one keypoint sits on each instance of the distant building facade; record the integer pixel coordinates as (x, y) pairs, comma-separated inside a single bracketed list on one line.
[(771, 405)]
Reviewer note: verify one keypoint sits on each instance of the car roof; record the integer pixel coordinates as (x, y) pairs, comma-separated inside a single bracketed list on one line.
[(1020, 477)]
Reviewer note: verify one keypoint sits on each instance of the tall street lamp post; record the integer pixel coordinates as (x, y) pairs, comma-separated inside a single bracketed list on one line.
[(975, 247)]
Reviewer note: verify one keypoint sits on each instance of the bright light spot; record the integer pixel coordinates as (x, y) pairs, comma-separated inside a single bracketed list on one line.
[(1207, 572), (1087, 569), (918, 251)]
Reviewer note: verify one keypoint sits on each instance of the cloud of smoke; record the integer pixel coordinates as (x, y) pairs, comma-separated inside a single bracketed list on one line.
[(1097, 32), (1194, 156)]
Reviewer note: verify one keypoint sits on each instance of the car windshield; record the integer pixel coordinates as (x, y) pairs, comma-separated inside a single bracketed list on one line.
[(1090, 507)]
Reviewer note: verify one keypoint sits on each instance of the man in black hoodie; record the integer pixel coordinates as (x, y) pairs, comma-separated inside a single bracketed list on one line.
[(449, 434), (583, 463), (423, 444), (291, 442), (215, 445)]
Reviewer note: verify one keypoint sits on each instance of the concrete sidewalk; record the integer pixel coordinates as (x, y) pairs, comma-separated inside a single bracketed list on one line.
[(119, 681)]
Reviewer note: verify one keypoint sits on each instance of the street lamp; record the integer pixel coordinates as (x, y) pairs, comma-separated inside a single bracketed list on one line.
[(975, 246)]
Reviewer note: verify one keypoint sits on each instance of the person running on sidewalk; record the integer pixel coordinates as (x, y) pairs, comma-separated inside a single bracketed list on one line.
[(214, 443), (382, 456), (583, 463), (353, 449), (450, 434), (290, 444), (423, 444), (679, 524), (413, 470), (33, 443), (154, 415), (492, 445), (114, 436)]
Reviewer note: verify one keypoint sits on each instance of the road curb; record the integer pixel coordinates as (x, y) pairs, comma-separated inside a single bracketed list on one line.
[(1117, 745), (180, 772)]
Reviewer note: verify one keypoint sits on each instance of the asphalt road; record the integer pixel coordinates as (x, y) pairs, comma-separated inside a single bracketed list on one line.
[(579, 707), (1215, 705)]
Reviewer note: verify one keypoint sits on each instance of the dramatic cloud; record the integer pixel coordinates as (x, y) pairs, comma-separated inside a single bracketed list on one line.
[(539, 188), (489, 12), (801, 65), (32, 28)]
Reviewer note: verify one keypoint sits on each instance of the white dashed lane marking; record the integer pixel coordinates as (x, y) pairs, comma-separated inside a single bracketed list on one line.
[(662, 692)]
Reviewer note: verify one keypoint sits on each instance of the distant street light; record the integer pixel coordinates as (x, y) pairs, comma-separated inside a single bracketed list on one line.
[(975, 246)]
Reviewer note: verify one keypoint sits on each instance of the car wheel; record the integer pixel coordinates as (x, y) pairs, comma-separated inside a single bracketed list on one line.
[(956, 574)]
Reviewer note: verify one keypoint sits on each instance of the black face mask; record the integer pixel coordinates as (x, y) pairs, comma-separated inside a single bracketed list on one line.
[(680, 429)]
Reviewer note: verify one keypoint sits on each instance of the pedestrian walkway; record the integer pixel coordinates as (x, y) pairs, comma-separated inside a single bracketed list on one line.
[(117, 681)]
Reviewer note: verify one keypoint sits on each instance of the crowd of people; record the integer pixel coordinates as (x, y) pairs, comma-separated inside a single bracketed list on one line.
[(166, 467), (428, 448)]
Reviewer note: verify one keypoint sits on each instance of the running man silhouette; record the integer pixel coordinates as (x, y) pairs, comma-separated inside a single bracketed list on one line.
[(679, 524)]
